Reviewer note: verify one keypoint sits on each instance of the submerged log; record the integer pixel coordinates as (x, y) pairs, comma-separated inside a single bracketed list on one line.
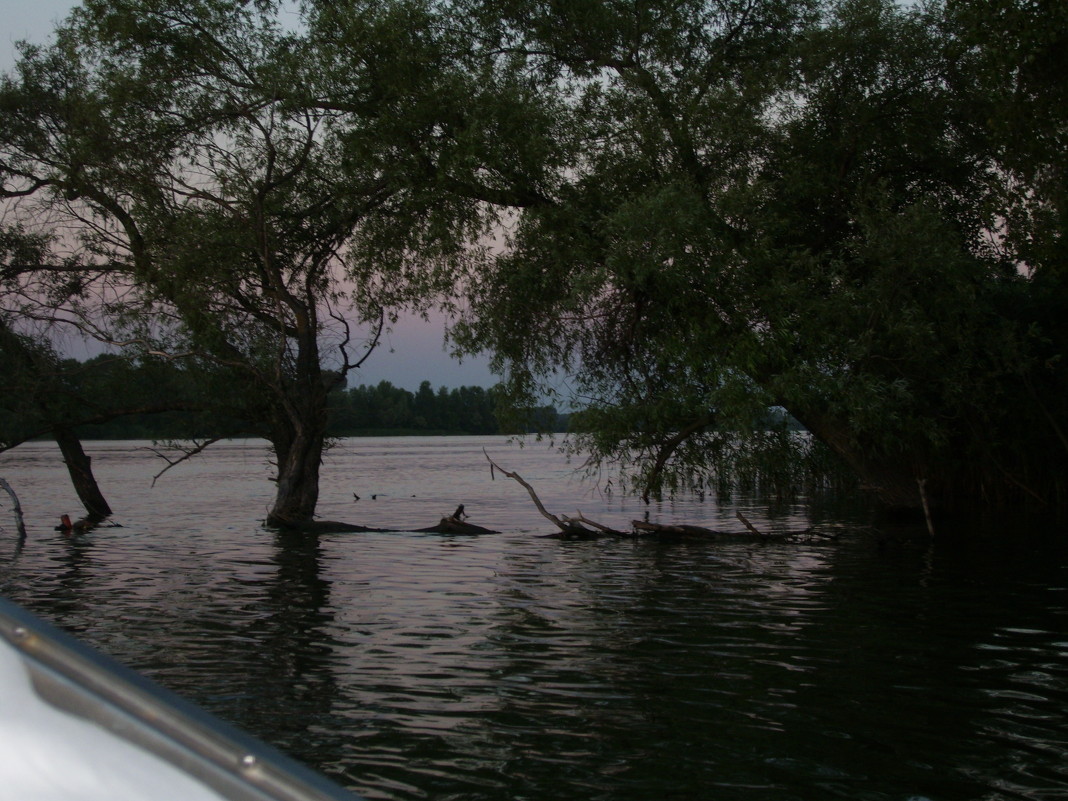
[(751, 532), (643, 528), (574, 531), (452, 525), (323, 527), (581, 527), (449, 524), (681, 529), (576, 525)]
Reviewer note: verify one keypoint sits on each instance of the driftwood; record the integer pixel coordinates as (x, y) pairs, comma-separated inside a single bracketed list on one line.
[(581, 518), (582, 527), (809, 534), (324, 527), (570, 527), (751, 532), (452, 525), (644, 527), (16, 507), (449, 524)]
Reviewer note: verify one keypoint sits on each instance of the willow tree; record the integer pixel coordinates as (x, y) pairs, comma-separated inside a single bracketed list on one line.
[(179, 141), (625, 277), (774, 204)]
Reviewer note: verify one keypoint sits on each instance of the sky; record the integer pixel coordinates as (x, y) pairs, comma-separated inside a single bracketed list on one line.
[(412, 353), (32, 20)]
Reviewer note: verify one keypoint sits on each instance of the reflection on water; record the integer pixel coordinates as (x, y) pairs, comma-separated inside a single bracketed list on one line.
[(411, 666)]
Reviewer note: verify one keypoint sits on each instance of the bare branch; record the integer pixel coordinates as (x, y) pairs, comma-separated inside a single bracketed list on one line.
[(375, 340), (568, 525), (581, 518), (533, 495), (187, 453), (17, 508), (751, 528)]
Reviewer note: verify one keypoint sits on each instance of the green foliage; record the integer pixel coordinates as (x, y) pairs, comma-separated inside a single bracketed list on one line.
[(686, 213), (249, 213), (776, 209)]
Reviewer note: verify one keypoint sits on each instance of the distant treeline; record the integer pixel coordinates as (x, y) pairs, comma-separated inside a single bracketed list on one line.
[(384, 408), (357, 411)]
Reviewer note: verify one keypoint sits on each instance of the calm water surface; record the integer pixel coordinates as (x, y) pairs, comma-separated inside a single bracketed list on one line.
[(412, 666)]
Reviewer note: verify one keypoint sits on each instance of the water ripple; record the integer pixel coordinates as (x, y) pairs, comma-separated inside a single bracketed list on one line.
[(410, 666)]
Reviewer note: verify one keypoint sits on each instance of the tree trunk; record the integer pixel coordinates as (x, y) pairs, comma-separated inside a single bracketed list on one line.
[(298, 480), (81, 472), (892, 481), (299, 439), (299, 429)]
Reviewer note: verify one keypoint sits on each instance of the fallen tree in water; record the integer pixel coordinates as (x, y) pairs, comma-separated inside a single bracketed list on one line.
[(644, 527), (579, 527), (569, 527), (448, 524), (582, 527)]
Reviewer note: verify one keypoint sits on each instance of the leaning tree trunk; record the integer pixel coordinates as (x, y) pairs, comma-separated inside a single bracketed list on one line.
[(894, 483), (81, 472)]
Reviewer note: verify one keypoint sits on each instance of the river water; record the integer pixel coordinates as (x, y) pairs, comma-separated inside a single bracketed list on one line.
[(882, 665)]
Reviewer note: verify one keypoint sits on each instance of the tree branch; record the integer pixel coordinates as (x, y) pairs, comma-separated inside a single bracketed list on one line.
[(533, 495), (187, 453), (17, 508), (670, 446)]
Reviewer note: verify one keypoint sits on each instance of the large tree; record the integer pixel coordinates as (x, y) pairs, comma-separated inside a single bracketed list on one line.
[(37, 395), (771, 206), (187, 145)]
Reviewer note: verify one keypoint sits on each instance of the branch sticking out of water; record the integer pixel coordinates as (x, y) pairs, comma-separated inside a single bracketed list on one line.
[(581, 518), (533, 495), (571, 526), (922, 484), (187, 451), (17, 508), (749, 526), (576, 527)]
